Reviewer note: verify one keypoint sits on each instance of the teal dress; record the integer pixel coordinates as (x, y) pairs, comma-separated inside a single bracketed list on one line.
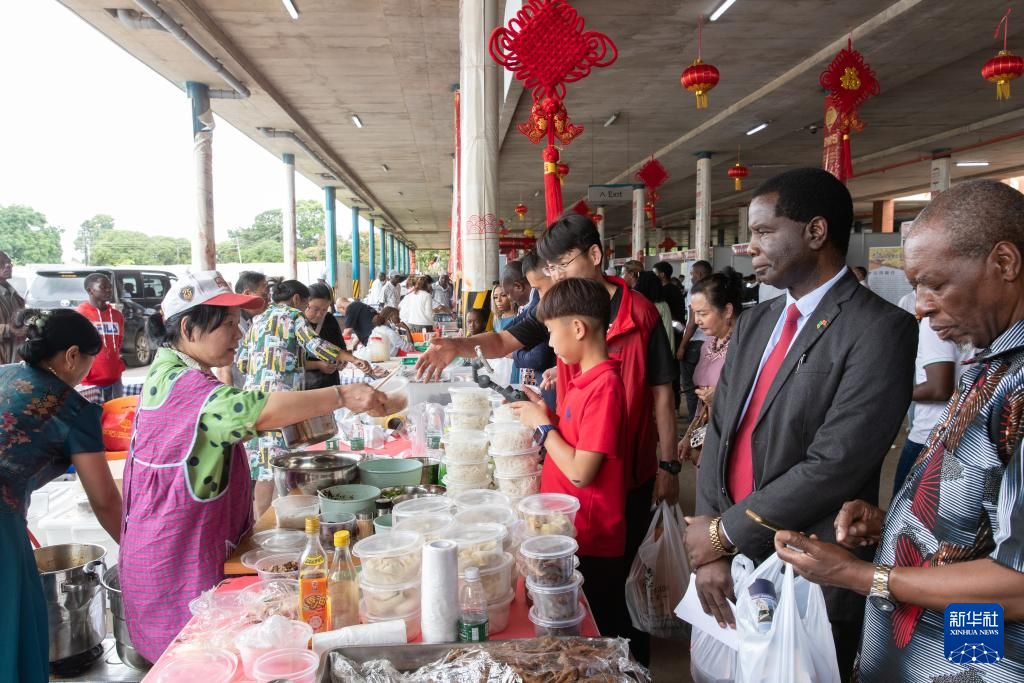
[(43, 422)]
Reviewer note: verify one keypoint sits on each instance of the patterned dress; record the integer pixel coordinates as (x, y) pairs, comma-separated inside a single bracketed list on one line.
[(963, 501), (272, 357), (10, 303)]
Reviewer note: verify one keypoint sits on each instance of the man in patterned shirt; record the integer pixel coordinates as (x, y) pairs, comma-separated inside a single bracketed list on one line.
[(955, 531), (274, 355)]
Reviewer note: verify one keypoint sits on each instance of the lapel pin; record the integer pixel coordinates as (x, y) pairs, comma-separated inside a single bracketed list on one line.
[(822, 324)]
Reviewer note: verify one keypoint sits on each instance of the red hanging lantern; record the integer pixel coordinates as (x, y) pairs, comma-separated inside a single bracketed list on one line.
[(738, 172), (521, 211), (700, 78), (563, 170), (1005, 66)]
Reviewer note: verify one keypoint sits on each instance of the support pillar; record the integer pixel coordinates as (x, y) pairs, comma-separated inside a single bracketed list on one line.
[(331, 232), (384, 264), (204, 247), (743, 228), (391, 253), (703, 236), (480, 93), (355, 253), (942, 165), (291, 264), (373, 253), (882, 214), (638, 240)]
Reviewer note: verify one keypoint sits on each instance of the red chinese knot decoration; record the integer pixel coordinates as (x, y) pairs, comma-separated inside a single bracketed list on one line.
[(850, 82), (666, 244), (545, 46), (700, 78), (1005, 66), (652, 174)]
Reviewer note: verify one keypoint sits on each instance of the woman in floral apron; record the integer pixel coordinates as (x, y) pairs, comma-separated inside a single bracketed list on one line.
[(187, 489)]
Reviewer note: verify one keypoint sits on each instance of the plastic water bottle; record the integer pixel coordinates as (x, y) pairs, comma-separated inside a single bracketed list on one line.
[(472, 608)]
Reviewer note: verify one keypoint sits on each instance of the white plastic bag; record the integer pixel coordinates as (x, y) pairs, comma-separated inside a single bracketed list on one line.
[(659, 576), (711, 660), (798, 648)]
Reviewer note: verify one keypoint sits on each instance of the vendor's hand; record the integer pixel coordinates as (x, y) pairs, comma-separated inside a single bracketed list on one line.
[(362, 398), (697, 542), (549, 379), (714, 587), (824, 563), (441, 352), (858, 524), (666, 488)]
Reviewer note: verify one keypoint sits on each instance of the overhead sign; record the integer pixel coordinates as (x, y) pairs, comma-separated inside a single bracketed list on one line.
[(672, 256), (610, 194)]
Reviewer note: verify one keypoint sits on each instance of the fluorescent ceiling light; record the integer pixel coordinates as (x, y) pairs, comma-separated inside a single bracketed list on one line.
[(358, 121), (971, 163), (919, 197), (721, 10), (384, 167), (611, 119), (757, 129), (293, 12)]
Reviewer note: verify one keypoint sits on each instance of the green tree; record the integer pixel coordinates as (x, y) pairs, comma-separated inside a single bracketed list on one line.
[(132, 248), (269, 226), (27, 237), (89, 231)]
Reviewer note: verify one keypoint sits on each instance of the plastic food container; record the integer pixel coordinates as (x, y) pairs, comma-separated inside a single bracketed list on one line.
[(518, 485), (252, 642), (477, 498), (250, 558), (465, 445), (280, 540), (549, 514), (497, 579), (209, 666), (397, 391), (412, 621), (502, 413), (548, 560), (562, 627), (510, 464), (460, 418), (390, 602), (431, 526), (467, 470), (389, 559), (271, 566), (509, 437), (480, 545), (292, 511), (471, 398), (498, 611), (295, 665), (556, 603), (382, 524), (421, 506), (457, 487), (488, 514), (267, 598)]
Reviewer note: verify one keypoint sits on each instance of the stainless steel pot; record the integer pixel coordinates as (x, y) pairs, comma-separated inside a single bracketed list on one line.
[(307, 472), (75, 608), (123, 642), (308, 432)]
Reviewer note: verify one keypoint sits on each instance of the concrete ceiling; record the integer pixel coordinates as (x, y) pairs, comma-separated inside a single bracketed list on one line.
[(394, 62)]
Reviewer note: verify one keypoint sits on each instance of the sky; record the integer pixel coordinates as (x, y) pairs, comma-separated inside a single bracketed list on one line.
[(90, 129)]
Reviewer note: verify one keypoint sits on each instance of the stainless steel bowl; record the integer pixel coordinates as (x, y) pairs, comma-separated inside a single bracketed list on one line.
[(309, 432), (410, 492), (307, 472)]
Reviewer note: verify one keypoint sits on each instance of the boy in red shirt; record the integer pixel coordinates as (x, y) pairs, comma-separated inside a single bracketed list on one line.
[(108, 366), (585, 442)]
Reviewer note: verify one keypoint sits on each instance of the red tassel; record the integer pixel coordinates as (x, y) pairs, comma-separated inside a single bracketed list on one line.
[(847, 158), (552, 188)]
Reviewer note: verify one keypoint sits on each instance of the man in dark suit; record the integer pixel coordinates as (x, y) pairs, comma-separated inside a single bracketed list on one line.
[(812, 394)]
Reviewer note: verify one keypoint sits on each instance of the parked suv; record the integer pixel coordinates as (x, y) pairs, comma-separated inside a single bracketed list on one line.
[(137, 294)]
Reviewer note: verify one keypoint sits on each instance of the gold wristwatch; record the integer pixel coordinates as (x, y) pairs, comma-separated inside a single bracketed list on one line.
[(879, 596), (716, 539)]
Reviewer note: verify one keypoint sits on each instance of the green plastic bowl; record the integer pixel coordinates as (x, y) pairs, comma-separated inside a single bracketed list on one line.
[(358, 498), (386, 472)]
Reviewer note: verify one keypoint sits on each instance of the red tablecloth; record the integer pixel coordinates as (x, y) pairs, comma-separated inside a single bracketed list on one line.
[(519, 625)]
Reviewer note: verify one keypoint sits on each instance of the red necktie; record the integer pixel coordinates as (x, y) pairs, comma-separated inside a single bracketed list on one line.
[(741, 463)]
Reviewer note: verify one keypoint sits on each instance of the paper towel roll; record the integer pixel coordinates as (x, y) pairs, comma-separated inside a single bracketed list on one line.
[(439, 613), (380, 633)]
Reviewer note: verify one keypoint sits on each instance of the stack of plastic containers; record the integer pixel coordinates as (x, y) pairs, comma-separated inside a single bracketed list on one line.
[(416, 507), (390, 579), (465, 461), (516, 457), (481, 546), (548, 563)]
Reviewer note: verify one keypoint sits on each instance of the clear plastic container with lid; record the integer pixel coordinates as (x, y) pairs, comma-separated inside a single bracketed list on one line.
[(280, 540), (510, 464), (470, 398), (549, 514), (457, 487), (556, 603), (465, 445), (278, 566), (463, 418), (502, 412), (421, 506), (431, 526), (495, 579), (412, 622), (210, 666), (519, 485), (478, 498), (389, 559), (509, 437), (488, 514), (390, 602), (557, 627), (498, 613), (292, 511), (466, 470), (295, 665), (480, 545), (548, 560)]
